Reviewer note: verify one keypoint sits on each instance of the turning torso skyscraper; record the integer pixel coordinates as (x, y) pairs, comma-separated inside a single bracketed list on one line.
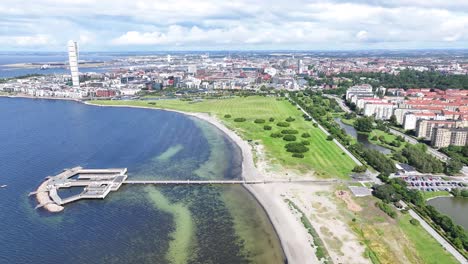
[(73, 60)]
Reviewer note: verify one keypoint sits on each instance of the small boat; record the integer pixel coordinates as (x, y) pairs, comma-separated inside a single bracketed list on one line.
[(3, 186)]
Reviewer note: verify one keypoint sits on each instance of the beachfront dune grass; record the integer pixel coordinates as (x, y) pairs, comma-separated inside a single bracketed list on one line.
[(324, 158)]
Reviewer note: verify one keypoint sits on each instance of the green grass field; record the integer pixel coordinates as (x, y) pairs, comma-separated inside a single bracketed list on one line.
[(429, 195), (388, 138), (324, 157), (429, 250)]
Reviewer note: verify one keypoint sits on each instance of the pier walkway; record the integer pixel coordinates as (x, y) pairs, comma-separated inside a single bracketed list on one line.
[(208, 182)]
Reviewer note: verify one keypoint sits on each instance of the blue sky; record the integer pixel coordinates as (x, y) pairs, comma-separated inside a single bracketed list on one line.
[(106, 25)]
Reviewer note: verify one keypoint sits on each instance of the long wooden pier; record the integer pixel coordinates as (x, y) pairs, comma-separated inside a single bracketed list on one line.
[(213, 182)]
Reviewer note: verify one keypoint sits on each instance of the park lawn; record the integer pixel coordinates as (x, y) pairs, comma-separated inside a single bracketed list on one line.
[(324, 158), (348, 121), (388, 137), (429, 195), (429, 250)]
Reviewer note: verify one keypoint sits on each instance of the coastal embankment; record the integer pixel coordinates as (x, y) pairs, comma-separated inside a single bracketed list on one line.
[(294, 239)]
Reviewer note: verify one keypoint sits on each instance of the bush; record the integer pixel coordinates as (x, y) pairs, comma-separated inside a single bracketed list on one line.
[(276, 135), (387, 209), (414, 222), (330, 138), (305, 135), (359, 169), (227, 116), (289, 131), (290, 119), (259, 121), (283, 124), (152, 103), (305, 142), (271, 119), (289, 138), (296, 148), (239, 119), (266, 127), (315, 125), (298, 155)]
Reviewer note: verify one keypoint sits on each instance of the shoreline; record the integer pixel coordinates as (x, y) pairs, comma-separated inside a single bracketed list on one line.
[(41, 98), (440, 196), (294, 240)]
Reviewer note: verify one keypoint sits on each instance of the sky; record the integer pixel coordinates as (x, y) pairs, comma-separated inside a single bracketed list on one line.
[(151, 25)]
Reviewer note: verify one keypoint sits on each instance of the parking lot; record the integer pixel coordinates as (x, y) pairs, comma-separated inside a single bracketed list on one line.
[(432, 183)]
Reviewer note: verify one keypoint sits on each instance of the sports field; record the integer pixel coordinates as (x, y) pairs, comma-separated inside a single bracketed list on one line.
[(324, 157)]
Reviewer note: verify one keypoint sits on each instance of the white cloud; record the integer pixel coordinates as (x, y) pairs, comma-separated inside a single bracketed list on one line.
[(362, 35), (236, 23), (27, 41)]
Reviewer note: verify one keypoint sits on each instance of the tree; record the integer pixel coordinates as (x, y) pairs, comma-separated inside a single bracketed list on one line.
[(386, 193), (453, 166), (359, 169), (364, 124), (393, 120)]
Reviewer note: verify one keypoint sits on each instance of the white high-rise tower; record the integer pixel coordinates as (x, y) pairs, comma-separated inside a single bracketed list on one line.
[(299, 67), (73, 60)]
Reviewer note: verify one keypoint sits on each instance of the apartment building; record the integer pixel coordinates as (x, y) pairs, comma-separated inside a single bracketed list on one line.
[(444, 137), (425, 128)]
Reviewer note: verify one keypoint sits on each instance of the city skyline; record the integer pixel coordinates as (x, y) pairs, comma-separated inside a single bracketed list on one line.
[(236, 25)]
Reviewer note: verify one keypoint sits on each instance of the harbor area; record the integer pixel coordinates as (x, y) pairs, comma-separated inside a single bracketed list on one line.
[(96, 184)]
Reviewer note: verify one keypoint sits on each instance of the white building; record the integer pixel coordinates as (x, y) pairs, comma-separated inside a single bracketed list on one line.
[(192, 69), (365, 89), (73, 60), (381, 110)]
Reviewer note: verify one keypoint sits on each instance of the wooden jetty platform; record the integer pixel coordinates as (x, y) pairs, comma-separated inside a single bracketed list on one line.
[(96, 184)]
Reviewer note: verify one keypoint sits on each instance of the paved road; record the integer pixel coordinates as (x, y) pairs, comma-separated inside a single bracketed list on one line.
[(340, 102), (412, 140), (446, 245)]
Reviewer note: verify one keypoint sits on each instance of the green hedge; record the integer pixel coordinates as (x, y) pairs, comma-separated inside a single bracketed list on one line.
[(259, 121), (283, 124), (298, 155), (289, 131), (266, 127), (239, 119), (296, 147), (276, 135), (289, 138)]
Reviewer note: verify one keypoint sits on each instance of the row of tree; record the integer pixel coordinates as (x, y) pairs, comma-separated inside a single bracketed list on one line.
[(410, 79)]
